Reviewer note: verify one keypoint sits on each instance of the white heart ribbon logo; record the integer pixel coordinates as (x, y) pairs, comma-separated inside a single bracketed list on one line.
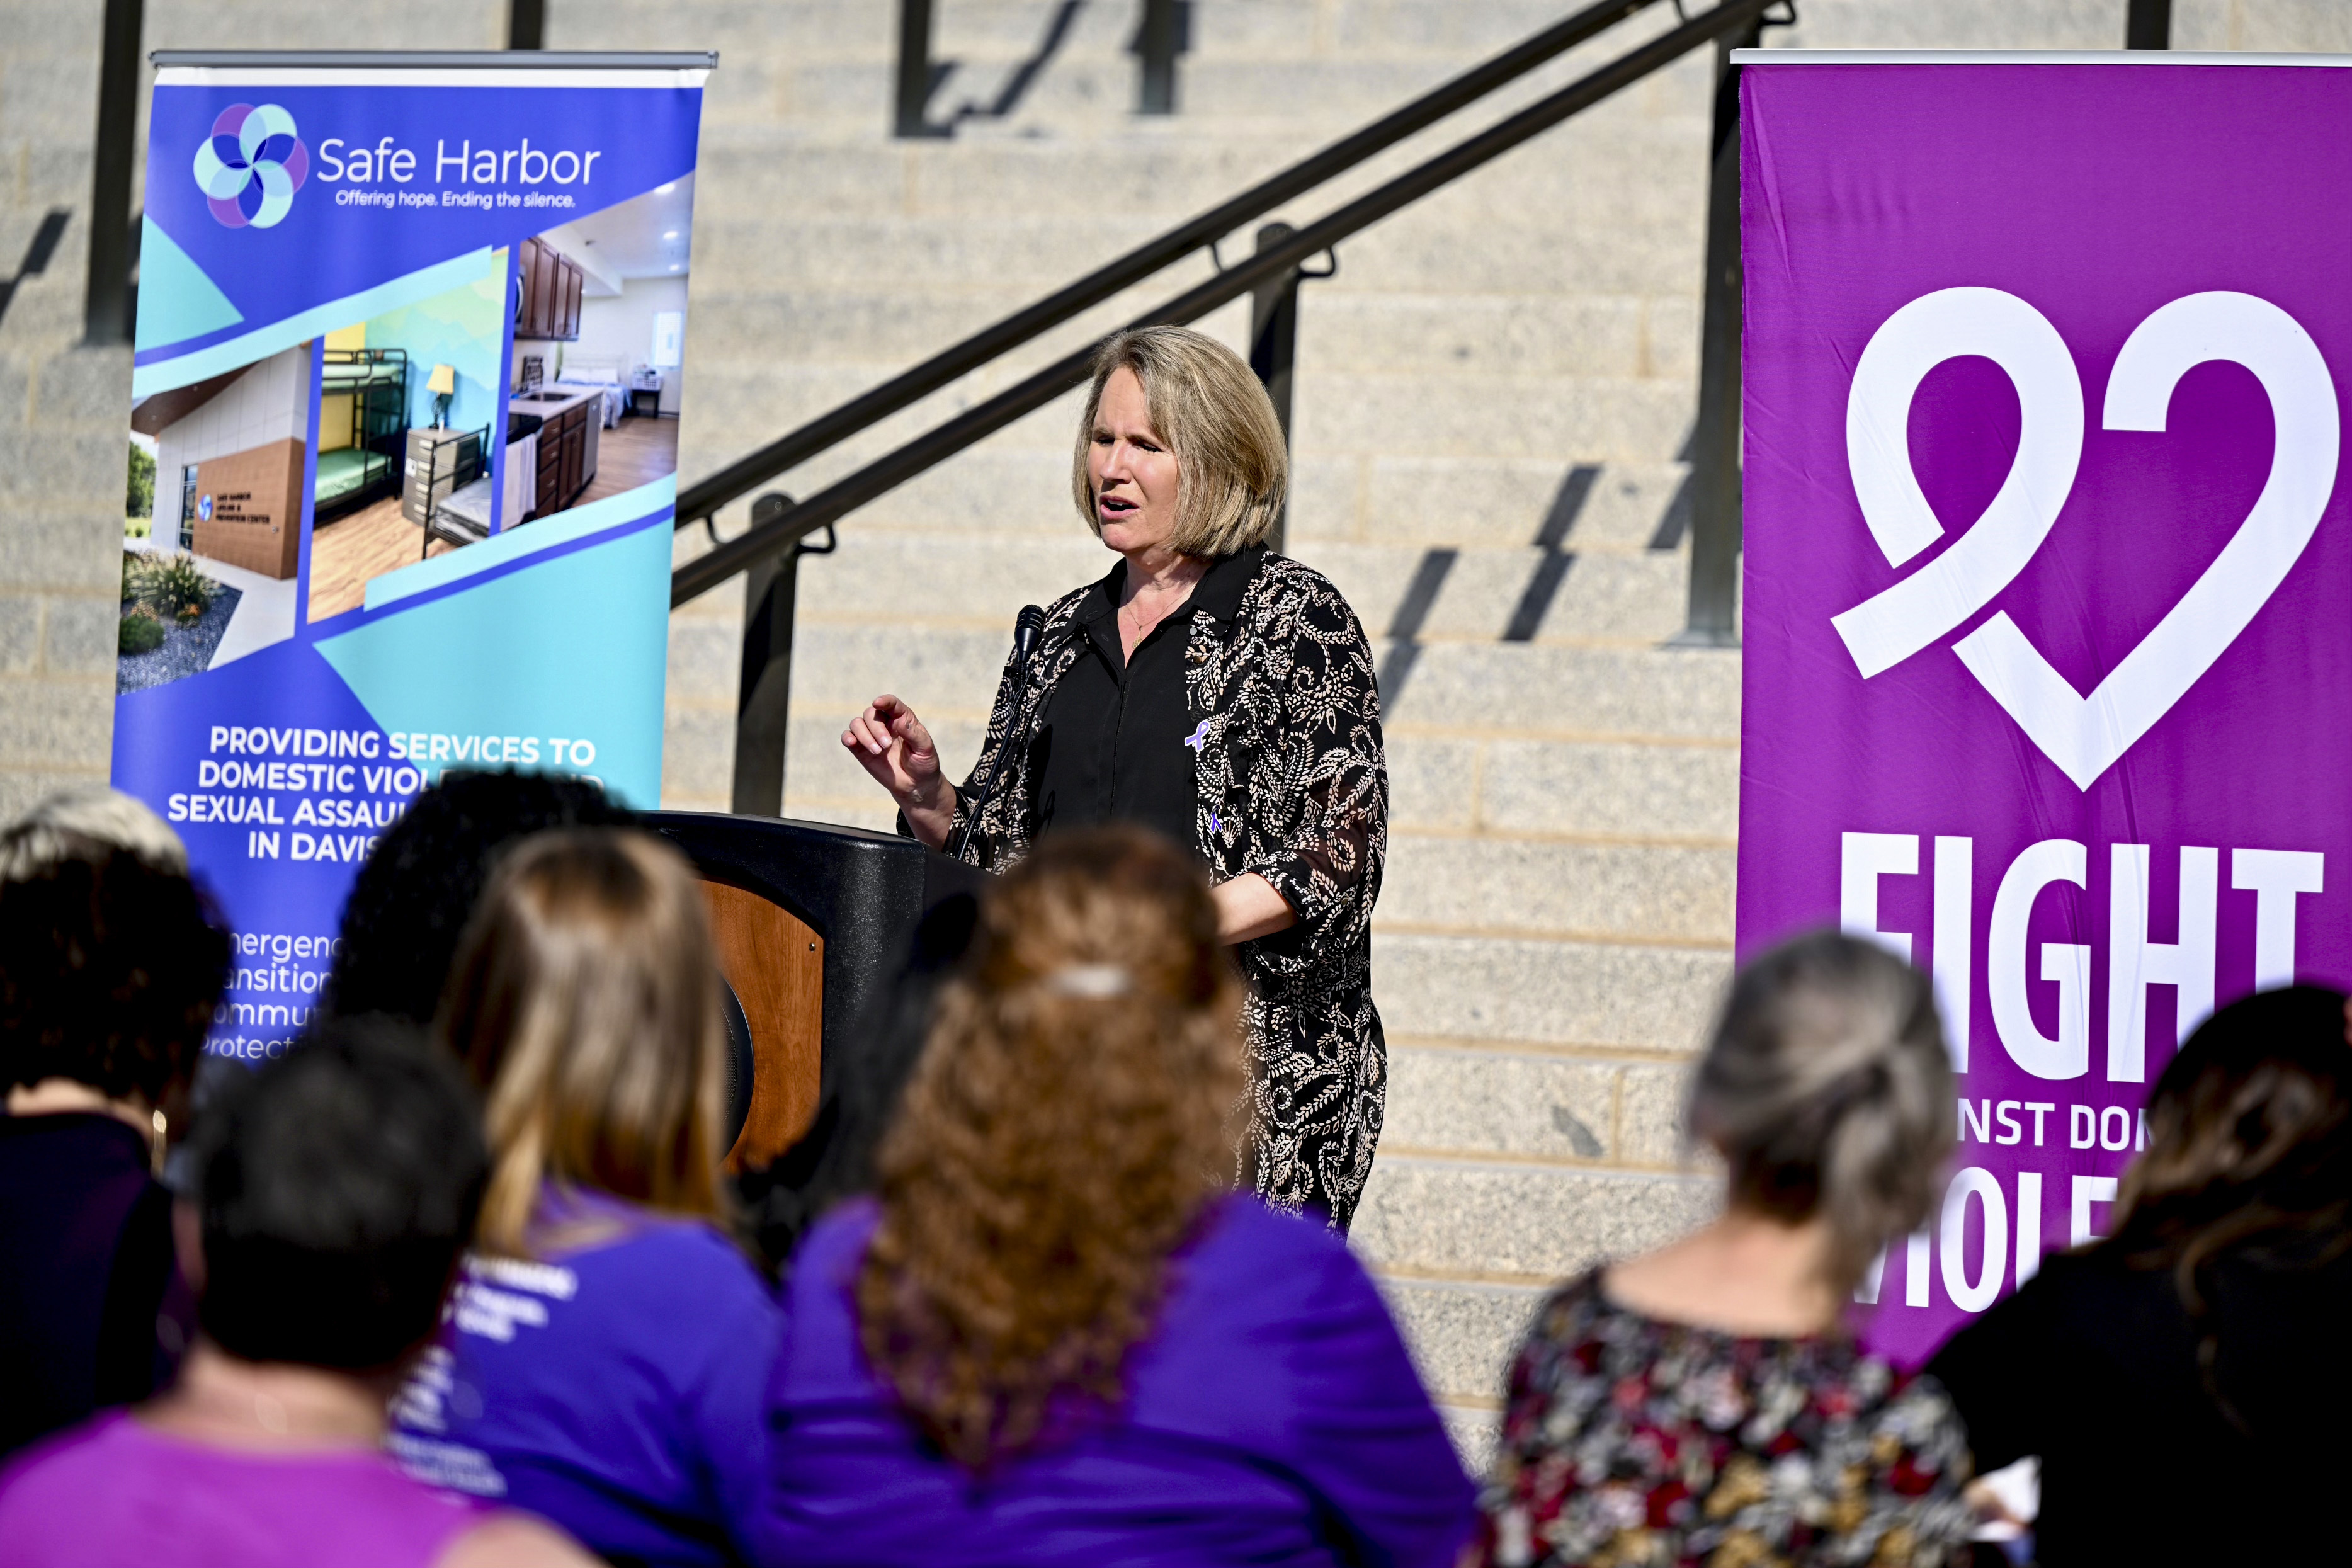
[(1883, 631), (2083, 735)]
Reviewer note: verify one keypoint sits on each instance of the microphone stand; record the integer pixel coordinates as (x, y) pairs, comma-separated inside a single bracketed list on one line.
[(1027, 628)]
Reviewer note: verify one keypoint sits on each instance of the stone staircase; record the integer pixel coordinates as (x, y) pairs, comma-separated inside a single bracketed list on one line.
[(1491, 396)]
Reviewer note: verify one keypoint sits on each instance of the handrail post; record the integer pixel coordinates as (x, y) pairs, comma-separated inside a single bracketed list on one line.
[(2148, 25), (108, 302), (914, 70), (1158, 42), (1274, 350), (1714, 435), (763, 692)]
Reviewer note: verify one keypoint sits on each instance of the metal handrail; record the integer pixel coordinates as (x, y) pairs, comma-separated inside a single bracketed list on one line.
[(784, 529), (747, 473)]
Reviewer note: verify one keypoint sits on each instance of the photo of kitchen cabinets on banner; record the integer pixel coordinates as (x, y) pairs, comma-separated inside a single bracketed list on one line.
[(401, 458), (2046, 561)]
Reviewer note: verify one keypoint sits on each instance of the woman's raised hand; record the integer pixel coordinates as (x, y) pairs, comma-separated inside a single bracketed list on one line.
[(890, 744)]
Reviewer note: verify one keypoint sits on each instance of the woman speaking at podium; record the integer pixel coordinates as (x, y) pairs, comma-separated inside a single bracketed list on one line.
[(1223, 695)]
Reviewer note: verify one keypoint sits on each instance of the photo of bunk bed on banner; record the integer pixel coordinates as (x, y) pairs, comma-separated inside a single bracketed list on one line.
[(407, 403), (362, 409)]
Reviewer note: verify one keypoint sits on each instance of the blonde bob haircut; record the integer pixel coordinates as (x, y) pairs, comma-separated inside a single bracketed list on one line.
[(1233, 465), (585, 1002)]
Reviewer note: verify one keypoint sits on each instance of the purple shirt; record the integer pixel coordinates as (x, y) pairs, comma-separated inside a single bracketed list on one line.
[(1274, 1418), (116, 1494), (613, 1388)]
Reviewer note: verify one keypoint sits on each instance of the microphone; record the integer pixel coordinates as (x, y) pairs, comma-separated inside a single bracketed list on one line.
[(1027, 627)]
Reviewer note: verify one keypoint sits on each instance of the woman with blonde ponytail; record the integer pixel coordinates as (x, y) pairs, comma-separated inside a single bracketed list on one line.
[(606, 1342), (1704, 1401)]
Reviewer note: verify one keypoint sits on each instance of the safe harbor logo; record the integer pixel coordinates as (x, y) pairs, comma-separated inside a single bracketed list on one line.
[(251, 165)]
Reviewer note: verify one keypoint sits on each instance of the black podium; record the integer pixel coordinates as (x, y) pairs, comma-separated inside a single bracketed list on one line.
[(811, 922)]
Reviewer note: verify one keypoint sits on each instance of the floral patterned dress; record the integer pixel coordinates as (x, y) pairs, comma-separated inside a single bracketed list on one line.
[(1292, 783), (1632, 1443)]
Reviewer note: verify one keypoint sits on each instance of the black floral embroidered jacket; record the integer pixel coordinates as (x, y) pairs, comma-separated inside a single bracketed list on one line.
[(1292, 785)]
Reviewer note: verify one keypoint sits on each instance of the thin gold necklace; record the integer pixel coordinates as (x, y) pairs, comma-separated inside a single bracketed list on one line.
[(1133, 610)]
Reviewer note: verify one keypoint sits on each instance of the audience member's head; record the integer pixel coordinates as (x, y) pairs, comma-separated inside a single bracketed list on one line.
[(87, 823), (2250, 1140), (585, 1000), (111, 965), (1066, 1127), (337, 1186), (411, 901), (1827, 1090)]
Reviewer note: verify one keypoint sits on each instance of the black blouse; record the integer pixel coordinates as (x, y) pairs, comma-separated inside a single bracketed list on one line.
[(2092, 1365), (87, 1269), (1118, 739), (1290, 783)]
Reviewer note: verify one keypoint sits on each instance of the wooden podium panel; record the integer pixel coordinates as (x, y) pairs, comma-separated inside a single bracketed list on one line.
[(776, 964), (813, 924)]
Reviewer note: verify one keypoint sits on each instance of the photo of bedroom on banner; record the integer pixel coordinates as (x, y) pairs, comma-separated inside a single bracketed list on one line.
[(551, 380)]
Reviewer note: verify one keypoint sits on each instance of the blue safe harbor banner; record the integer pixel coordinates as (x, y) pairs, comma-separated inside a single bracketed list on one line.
[(401, 460)]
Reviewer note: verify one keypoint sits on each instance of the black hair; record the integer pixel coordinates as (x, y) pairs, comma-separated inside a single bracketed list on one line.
[(2249, 1138), (2248, 1156), (412, 900), (110, 967), (338, 1187)]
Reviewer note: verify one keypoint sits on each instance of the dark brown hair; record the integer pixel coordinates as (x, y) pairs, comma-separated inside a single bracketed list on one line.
[(111, 968), (2250, 1151), (585, 1002), (1061, 1135)]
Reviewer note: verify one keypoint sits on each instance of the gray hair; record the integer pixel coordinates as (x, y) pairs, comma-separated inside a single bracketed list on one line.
[(1209, 407), (1828, 1091), (84, 823)]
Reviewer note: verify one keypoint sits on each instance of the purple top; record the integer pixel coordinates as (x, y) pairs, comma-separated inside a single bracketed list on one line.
[(611, 1387), (1274, 1418), (117, 1494)]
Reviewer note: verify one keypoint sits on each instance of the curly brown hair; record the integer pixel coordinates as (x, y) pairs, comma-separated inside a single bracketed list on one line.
[(1065, 1129)]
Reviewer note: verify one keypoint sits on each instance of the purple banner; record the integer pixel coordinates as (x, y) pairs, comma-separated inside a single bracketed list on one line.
[(2047, 581)]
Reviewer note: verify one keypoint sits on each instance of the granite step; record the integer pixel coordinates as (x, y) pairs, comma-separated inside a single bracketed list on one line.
[(1571, 1107), (1481, 1221), (1653, 998), (1521, 887)]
